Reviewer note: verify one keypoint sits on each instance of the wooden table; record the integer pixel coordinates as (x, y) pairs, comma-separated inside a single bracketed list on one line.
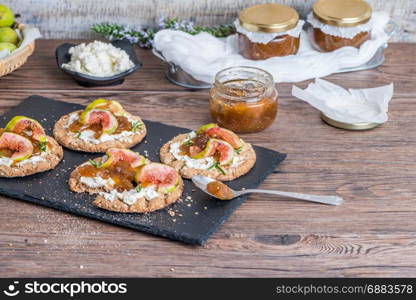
[(372, 234)]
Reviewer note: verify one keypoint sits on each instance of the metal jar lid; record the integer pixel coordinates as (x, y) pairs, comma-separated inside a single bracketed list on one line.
[(269, 18), (342, 13), (348, 126)]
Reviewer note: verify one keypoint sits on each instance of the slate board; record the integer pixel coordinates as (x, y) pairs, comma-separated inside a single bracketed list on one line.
[(201, 216)]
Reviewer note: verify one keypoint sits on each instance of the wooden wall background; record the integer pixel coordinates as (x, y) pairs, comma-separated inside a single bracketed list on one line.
[(73, 18)]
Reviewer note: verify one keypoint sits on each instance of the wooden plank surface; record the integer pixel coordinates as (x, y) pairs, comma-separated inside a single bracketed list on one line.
[(372, 234), (73, 18)]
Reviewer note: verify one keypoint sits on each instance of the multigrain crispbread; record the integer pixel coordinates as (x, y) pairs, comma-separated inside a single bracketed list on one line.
[(49, 161), (245, 158), (102, 125), (143, 192), (25, 149), (70, 140)]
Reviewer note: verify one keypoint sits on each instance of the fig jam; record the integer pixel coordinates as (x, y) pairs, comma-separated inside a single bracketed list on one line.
[(243, 99), (280, 46), (220, 190), (327, 43), (120, 172)]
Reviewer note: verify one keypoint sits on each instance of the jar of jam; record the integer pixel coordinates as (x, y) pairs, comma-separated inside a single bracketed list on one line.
[(268, 30), (339, 23), (243, 99)]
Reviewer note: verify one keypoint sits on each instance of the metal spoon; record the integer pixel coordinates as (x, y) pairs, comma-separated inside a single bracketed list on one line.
[(202, 182)]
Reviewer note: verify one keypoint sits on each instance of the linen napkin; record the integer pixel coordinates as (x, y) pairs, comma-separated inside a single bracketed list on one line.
[(349, 106)]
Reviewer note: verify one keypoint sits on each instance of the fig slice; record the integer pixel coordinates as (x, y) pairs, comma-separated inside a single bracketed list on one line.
[(215, 146), (119, 154), (225, 152), (22, 147), (21, 124), (209, 150), (213, 130), (103, 104), (105, 118), (165, 177)]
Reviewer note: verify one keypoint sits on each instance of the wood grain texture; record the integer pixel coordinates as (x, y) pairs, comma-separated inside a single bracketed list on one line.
[(73, 18), (372, 234)]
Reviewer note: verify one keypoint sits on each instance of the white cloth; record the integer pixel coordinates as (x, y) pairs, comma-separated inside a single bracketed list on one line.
[(349, 106), (29, 34), (203, 55), (344, 32), (264, 37)]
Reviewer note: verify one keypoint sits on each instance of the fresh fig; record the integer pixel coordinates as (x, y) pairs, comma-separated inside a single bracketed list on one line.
[(22, 147), (21, 124), (118, 154), (225, 152), (103, 104), (209, 150), (165, 177), (222, 134), (105, 118)]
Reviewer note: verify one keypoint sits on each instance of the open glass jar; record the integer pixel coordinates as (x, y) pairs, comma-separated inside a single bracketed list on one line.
[(268, 30), (243, 99), (339, 23)]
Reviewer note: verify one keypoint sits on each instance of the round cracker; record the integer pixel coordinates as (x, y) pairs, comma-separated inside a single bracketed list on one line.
[(51, 160), (77, 186), (248, 155), (140, 206), (69, 140)]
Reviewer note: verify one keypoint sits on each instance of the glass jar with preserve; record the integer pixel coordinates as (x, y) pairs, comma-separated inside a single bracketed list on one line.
[(243, 99), (268, 30), (339, 23)]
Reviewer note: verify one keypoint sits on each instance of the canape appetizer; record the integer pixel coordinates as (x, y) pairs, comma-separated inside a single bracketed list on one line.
[(125, 181), (104, 124), (210, 151), (25, 149)]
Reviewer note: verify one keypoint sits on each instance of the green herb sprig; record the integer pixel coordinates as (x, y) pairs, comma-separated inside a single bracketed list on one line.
[(43, 146), (217, 166), (238, 150), (137, 125), (144, 37), (139, 188), (188, 143), (94, 163)]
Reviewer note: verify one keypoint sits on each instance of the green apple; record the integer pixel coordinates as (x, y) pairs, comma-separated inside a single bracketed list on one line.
[(8, 35), (6, 16), (9, 46)]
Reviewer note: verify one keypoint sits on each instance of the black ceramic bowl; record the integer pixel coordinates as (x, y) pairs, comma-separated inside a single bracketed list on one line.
[(63, 57)]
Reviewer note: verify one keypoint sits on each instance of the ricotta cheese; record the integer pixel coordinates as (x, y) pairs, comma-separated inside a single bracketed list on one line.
[(96, 182), (98, 59), (5, 161), (88, 136), (131, 196)]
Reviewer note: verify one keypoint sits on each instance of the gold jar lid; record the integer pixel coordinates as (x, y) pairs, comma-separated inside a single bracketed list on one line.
[(269, 18), (342, 13), (348, 126)]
